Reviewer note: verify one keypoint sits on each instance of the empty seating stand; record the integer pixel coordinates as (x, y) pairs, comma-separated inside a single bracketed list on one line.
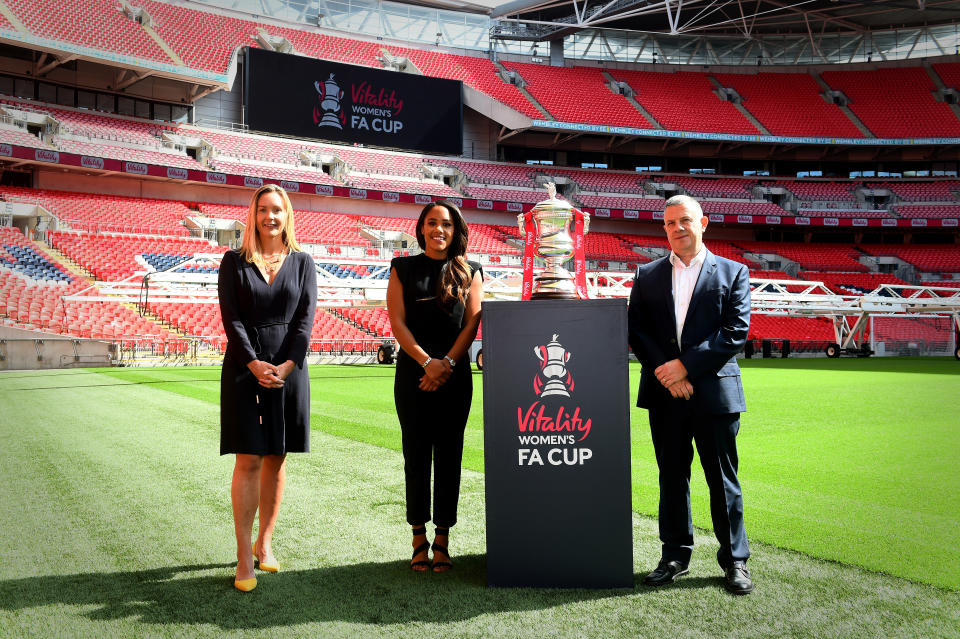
[(553, 88), (895, 103), (479, 73), (684, 101), (790, 104), (93, 24)]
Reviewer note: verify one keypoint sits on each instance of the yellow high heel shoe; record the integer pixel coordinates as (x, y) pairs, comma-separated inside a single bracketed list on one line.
[(245, 585), (275, 567)]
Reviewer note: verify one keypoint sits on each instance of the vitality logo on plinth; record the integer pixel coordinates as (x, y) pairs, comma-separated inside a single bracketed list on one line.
[(554, 419)]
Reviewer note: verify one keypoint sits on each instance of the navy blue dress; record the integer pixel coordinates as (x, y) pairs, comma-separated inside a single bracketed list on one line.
[(272, 323)]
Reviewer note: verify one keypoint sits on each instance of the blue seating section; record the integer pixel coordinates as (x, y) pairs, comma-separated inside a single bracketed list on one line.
[(163, 262), (32, 264), (354, 272), (198, 268)]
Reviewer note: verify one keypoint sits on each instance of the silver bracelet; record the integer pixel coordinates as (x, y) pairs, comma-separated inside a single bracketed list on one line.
[(427, 361), (452, 361)]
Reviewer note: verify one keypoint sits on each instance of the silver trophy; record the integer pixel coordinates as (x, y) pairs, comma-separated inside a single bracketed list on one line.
[(554, 229)]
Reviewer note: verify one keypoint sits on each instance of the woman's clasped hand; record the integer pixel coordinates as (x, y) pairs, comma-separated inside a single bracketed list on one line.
[(269, 375), (435, 374)]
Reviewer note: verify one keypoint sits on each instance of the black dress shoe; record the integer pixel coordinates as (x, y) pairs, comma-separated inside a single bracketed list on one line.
[(665, 573), (738, 579)]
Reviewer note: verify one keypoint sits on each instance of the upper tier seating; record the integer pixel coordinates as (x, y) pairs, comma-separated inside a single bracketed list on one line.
[(790, 104), (741, 208), (844, 213), (928, 210), (96, 24), (556, 88), (112, 213), (929, 258), (21, 137), (506, 195), (600, 181), (684, 101), (403, 186), (499, 174), (813, 257), (941, 191), (479, 73), (130, 154), (111, 258), (622, 202), (96, 125), (203, 39), (712, 187), (949, 72), (369, 161), (300, 173), (895, 103), (328, 47), (819, 191), (252, 147)]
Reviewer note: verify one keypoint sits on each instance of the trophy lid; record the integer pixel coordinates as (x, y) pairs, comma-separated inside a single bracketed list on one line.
[(552, 203)]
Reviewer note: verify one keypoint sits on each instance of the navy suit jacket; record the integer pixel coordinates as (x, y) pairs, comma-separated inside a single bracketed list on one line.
[(714, 331)]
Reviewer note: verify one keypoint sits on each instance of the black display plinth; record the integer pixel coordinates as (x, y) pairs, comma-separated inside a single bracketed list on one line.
[(557, 444)]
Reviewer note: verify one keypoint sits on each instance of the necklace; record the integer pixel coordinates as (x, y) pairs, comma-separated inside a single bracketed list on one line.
[(272, 262)]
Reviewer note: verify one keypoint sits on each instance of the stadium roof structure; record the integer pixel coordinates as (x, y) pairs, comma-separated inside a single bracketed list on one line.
[(715, 31), (730, 17)]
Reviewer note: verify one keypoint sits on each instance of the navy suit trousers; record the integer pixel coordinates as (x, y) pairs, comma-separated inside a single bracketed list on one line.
[(674, 428)]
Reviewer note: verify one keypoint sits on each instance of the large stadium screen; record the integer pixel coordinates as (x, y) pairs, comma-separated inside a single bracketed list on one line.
[(310, 98)]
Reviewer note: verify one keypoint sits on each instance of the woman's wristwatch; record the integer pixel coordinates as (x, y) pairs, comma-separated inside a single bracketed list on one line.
[(452, 361)]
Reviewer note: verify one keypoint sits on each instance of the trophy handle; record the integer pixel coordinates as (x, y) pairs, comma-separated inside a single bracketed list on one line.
[(536, 351), (586, 221), (520, 225)]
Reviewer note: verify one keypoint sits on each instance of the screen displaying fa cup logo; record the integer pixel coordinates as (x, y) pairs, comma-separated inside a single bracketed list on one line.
[(553, 378), (329, 112)]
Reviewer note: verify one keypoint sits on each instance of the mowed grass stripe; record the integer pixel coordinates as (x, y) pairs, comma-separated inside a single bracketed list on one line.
[(847, 460), (854, 464), (344, 547)]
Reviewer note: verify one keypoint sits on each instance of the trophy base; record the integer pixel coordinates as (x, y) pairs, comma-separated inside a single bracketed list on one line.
[(554, 289)]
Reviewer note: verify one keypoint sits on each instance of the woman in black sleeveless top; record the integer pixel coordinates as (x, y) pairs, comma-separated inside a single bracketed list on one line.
[(434, 305)]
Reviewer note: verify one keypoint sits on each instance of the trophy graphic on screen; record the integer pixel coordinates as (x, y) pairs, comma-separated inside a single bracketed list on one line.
[(330, 95)]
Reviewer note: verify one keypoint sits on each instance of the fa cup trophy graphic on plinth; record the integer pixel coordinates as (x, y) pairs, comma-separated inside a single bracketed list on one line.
[(554, 230)]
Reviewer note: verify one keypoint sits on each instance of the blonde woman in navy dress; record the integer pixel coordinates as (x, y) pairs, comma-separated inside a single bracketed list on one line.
[(434, 305), (268, 295)]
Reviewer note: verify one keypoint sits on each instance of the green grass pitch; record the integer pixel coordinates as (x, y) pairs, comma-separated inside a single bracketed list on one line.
[(117, 518)]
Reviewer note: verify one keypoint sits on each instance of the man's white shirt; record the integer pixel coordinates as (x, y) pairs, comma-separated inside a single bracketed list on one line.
[(684, 281)]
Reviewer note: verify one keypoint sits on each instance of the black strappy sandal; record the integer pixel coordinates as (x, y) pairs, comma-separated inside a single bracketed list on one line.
[(443, 532), (422, 548)]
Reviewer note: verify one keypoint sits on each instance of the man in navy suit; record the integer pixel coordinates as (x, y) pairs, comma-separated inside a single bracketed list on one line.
[(688, 318)]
